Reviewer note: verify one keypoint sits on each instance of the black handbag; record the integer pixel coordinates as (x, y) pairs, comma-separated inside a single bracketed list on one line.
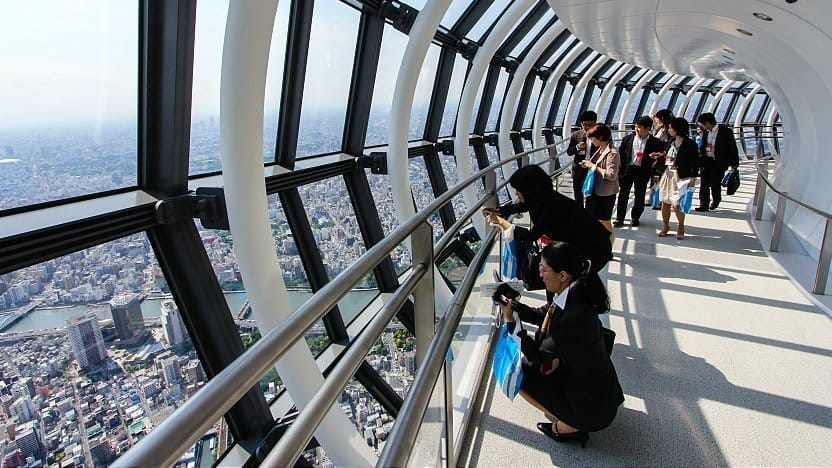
[(609, 339), (733, 183), (528, 260)]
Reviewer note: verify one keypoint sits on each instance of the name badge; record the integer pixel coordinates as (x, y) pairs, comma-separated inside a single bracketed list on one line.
[(637, 160)]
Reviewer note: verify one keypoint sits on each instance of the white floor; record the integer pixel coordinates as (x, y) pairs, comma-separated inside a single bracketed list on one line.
[(723, 359)]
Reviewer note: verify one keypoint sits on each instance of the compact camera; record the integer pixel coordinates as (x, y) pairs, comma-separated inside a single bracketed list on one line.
[(505, 293)]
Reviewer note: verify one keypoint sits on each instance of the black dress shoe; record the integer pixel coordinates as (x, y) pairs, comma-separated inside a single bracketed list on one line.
[(635, 223), (618, 223), (551, 430), (713, 206), (701, 208)]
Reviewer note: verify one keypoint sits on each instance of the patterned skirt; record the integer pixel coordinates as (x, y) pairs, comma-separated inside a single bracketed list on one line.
[(669, 187)]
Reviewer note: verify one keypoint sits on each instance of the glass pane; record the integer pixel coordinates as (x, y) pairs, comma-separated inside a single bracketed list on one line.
[(665, 100), (452, 179), (493, 157), (386, 208), (423, 193), (553, 60), (527, 39), (448, 126), (477, 102), (585, 64), (611, 70), (454, 269), (593, 100), (709, 98), (390, 59), (497, 102), (754, 108), (455, 10), (535, 97), (631, 113), (205, 124), (331, 47), (424, 89), (692, 105), (567, 94), (736, 109), (486, 20), (98, 326), (620, 107), (69, 90), (722, 107)]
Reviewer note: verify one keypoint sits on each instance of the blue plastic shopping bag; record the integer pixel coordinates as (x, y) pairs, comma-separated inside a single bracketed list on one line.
[(726, 178), (508, 363), (589, 184), (685, 199), (655, 198), (508, 266)]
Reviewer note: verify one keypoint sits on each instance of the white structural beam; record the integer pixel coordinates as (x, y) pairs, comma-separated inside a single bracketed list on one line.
[(245, 57), (746, 104), (577, 93), (683, 107), (469, 93), (614, 79), (513, 95), (419, 39), (662, 92), (719, 95), (636, 92), (544, 103)]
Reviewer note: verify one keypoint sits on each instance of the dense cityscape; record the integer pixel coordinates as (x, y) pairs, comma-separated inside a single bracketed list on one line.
[(84, 389)]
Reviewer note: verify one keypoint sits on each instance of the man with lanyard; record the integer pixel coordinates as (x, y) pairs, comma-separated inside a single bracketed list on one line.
[(717, 152), (636, 168), (578, 145)]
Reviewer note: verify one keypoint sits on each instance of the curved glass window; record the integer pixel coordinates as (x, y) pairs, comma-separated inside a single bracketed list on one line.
[(331, 47), (386, 208), (561, 109), (497, 102), (537, 87), (392, 49), (552, 61), (454, 11), (486, 20), (616, 116), (460, 71), (205, 102), (69, 90), (535, 30)]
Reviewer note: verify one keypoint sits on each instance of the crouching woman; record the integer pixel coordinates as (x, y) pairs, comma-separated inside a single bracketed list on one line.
[(567, 372)]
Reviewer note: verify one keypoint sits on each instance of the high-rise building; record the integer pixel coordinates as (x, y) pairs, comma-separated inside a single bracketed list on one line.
[(23, 409), (172, 324), (86, 340), (27, 440), (127, 316), (172, 371)]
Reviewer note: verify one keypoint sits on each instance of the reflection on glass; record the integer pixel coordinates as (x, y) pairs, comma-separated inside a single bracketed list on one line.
[(68, 91), (331, 47)]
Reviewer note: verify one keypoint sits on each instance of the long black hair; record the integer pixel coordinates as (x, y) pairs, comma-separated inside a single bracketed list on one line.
[(533, 183), (563, 256)]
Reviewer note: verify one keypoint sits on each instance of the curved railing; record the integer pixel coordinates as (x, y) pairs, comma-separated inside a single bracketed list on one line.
[(187, 424), (825, 255)]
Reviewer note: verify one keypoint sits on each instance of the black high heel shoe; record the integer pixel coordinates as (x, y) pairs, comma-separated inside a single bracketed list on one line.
[(551, 430)]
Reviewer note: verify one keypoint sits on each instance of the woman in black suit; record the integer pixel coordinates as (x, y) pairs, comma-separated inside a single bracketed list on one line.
[(567, 372), (680, 159)]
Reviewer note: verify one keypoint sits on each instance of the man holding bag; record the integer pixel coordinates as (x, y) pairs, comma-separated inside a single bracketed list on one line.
[(717, 152)]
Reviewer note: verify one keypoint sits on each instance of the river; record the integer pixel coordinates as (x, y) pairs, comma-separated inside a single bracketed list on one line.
[(40, 319)]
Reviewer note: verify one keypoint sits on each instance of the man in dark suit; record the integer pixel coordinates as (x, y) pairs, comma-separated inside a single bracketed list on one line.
[(717, 152), (636, 167), (578, 146)]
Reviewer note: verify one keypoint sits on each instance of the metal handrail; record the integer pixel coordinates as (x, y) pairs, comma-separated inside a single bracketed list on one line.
[(165, 443), (399, 444), (825, 255)]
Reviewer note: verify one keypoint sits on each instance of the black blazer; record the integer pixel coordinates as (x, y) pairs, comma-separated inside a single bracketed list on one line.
[(687, 157), (563, 219), (625, 151), (725, 149), (585, 376), (572, 150)]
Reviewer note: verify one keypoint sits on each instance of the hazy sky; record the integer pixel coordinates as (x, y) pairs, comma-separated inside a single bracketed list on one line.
[(77, 61)]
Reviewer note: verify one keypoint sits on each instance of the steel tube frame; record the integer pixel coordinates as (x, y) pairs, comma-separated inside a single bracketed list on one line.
[(292, 443)]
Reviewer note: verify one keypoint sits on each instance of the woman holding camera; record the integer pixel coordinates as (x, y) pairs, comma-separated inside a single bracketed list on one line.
[(567, 372)]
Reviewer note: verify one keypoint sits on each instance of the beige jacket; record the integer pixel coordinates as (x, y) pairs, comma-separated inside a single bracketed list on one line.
[(610, 167)]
